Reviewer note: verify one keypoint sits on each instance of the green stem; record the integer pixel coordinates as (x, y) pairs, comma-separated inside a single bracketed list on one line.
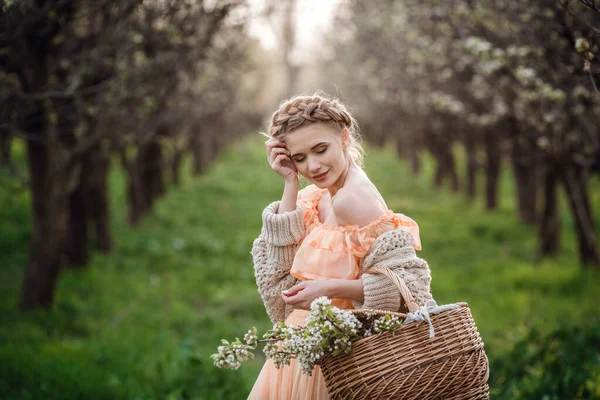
[(334, 325), (269, 340)]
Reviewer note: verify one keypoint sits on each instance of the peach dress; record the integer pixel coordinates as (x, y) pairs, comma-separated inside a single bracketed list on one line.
[(325, 252)]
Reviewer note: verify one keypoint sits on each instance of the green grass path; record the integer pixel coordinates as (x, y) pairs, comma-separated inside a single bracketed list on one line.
[(142, 322)]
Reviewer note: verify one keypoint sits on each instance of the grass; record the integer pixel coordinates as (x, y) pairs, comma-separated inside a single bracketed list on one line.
[(141, 322)]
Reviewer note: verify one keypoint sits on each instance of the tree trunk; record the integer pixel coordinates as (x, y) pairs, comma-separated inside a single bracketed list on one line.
[(526, 183), (137, 206), (77, 243), (5, 148), (176, 167), (205, 150), (525, 174), (526, 192), (135, 194), (439, 173), (435, 150), (549, 230), (530, 195), (144, 179), (575, 181), (415, 162), (450, 165), (96, 168), (471, 150), (210, 148), (49, 217), (197, 161), (492, 170), (150, 164), (402, 150), (407, 149), (441, 149), (46, 157)]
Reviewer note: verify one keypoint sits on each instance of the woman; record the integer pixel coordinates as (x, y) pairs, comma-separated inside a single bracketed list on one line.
[(321, 240)]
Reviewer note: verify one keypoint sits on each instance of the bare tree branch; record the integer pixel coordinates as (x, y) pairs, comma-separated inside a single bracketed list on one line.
[(590, 4)]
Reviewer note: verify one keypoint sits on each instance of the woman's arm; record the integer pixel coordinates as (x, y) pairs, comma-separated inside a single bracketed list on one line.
[(272, 277), (273, 254), (302, 294), (289, 197), (351, 289), (279, 159)]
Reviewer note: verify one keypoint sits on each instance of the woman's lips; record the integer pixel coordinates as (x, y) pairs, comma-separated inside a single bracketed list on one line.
[(321, 176)]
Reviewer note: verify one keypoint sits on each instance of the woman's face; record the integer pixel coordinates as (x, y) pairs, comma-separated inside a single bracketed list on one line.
[(317, 151)]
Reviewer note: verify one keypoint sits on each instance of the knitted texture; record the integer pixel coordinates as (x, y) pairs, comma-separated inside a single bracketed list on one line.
[(273, 254), (394, 250), (282, 229), (272, 278)]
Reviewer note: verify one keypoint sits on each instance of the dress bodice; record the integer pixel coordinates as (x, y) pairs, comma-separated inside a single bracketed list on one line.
[(335, 252)]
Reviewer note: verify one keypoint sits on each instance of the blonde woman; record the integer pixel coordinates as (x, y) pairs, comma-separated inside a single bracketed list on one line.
[(322, 240)]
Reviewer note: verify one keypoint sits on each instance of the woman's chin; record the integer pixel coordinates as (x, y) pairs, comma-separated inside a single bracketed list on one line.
[(324, 184)]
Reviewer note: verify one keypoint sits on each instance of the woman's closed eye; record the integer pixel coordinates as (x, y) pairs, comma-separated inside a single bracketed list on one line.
[(320, 151)]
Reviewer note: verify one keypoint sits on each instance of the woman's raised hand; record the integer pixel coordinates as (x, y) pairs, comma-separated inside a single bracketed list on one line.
[(279, 159), (301, 295)]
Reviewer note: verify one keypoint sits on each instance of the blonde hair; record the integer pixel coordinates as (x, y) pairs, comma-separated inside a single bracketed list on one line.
[(301, 111)]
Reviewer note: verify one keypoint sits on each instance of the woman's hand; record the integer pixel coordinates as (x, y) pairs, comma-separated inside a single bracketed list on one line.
[(301, 295), (280, 161)]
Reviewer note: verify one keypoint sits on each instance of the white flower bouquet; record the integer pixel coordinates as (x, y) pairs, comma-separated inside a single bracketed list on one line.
[(328, 331)]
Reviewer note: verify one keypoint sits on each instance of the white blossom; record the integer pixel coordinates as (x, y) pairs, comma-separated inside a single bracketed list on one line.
[(477, 45), (328, 331), (525, 75), (581, 45)]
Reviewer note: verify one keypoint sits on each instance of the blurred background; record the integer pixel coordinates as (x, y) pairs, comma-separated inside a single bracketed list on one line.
[(132, 178)]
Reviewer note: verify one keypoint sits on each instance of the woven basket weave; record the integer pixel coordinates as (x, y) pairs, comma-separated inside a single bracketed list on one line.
[(410, 365)]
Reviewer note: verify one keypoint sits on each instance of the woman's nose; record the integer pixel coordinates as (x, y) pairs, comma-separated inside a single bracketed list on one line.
[(313, 165)]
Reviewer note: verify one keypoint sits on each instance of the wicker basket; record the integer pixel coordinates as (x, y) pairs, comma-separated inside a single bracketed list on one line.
[(410, 365)]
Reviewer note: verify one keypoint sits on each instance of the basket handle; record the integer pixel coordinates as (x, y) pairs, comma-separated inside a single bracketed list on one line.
[(404, 292)]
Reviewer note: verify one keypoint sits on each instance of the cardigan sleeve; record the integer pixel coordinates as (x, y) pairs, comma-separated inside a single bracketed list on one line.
[(284, 229), (273, 254), (394, 250), (272, 278), (382, 294)]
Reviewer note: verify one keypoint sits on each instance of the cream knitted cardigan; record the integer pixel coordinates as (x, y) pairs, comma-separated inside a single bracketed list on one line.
[(273, 254)]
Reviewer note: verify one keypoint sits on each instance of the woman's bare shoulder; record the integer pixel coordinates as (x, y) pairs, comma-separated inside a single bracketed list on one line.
[(357, 205)]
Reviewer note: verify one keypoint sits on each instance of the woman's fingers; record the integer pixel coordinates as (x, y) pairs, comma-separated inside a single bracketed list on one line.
[(294, 289), (297, 301), (273, 143), (278, 151), (278, 157), (278, 160)]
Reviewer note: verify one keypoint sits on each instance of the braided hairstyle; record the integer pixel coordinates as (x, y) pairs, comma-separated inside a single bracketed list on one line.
[(301, 111)]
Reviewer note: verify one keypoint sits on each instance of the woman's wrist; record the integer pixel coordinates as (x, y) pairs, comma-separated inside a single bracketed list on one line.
[(289, 197), (292, 180), (351, 289)]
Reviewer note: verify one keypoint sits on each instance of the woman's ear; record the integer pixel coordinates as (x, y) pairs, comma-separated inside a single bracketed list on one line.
[(345, 138)]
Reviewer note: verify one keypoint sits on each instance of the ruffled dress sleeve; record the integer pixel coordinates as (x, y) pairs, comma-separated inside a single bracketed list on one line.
[(308, 200), (335, 252)]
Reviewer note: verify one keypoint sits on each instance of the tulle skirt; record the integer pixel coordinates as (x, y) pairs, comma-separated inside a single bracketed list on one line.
[(288, 382)]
